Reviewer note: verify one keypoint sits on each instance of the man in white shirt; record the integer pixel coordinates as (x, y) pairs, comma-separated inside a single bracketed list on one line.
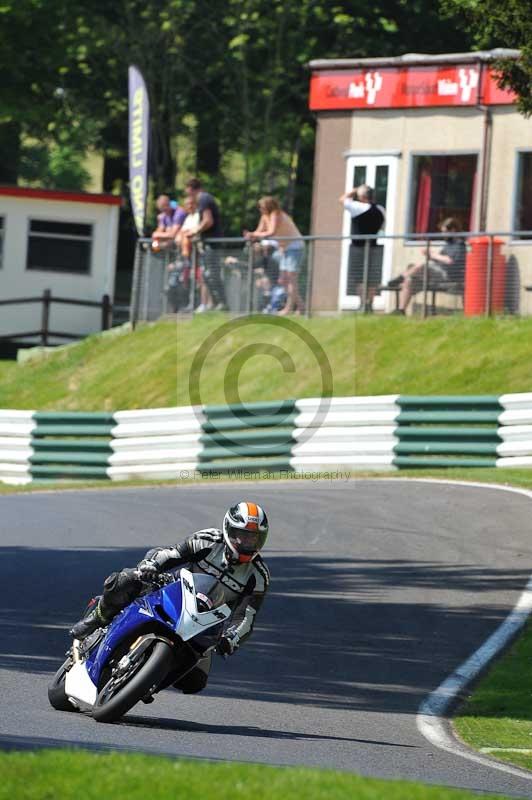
[(367, 218)]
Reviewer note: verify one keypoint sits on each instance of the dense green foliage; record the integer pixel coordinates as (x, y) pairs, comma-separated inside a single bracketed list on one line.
[(508, 25), (63, 774), (228, 77)]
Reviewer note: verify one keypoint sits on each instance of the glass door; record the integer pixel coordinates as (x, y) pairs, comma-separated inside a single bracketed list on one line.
[(379, 172)]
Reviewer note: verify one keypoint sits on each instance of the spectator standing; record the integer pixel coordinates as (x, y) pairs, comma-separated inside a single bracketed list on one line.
[(277, 224), (367, 218), (169, 222), (210, 227), (447, 265)]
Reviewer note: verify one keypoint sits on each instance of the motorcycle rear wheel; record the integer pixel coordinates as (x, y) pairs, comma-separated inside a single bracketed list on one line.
[(150, 675), (56, 691)]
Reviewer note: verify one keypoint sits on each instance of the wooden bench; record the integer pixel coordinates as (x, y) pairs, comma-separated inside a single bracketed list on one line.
[(447, 287)]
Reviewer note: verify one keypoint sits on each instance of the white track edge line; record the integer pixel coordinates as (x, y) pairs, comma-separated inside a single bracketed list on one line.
[(430, 720)]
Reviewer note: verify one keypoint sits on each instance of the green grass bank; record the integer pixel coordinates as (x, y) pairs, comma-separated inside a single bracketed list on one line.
[(151, 367), (62, 774)]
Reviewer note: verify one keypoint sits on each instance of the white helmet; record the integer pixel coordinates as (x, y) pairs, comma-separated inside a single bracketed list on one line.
[(245, 529)]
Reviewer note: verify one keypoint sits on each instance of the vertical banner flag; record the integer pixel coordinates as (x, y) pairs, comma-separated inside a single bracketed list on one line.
[(139, 121)]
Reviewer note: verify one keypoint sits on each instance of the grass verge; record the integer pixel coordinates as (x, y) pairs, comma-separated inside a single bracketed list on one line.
[(507, 477), (62, 774), (497, 717)]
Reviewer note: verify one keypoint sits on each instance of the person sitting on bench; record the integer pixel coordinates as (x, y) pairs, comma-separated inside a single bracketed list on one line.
[(447, 265)]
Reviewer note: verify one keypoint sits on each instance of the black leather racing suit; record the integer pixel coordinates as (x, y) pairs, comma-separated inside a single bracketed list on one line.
[(245, 586)]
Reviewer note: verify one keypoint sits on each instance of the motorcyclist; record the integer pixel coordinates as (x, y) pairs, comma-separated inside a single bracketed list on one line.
[(230, 554)]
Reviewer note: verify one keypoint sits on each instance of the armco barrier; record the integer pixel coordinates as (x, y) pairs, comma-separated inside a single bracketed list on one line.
[(310, 435)]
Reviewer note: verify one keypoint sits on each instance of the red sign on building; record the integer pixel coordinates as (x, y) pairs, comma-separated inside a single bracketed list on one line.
[(405, 87)]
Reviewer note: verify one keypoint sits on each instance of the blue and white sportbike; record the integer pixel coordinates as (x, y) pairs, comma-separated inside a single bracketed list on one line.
[(150, 645)]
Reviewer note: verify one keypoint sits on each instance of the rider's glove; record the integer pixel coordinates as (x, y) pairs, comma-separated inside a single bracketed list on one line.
[(147, 570), (228, 643)]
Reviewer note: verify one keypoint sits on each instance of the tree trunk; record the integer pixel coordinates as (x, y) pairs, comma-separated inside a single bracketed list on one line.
[(208, 143), (10, 150)]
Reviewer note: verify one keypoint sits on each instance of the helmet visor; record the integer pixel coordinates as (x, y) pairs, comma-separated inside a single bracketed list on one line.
[(245, 542)]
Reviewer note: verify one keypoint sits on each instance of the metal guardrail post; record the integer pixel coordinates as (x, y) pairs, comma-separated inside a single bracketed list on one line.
[(45, 317), (426, 278), (365, 276), (106, 312), (251, 262), (489, 277), (135, 285), (193, 270), (310, 271)]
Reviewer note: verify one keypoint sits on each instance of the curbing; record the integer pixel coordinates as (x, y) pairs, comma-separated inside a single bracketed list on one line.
[(386, 432)]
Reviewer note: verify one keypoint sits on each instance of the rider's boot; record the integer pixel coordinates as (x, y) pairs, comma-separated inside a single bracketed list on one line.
[(90, 622)]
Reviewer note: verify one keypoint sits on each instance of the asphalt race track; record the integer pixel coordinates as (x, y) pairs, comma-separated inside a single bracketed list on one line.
[(380, 589)]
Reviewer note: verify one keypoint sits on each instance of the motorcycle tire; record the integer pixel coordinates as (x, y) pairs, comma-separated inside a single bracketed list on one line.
[(157, 666), (56, 691)]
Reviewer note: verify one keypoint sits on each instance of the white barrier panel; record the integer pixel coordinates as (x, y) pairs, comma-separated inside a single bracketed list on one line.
[(159, 456), (15, 474), (517, 461), (355, 404), (156, 471), (158, 442), (354, 433), (518, 417), (345, 418), (16, 429), (332, 463), (515, 448), (162, 428), (339, 449), (515, 433), (515, 402)]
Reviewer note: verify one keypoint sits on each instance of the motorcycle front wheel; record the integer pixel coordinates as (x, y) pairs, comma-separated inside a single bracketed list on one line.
[(113, 702), (56, 690)]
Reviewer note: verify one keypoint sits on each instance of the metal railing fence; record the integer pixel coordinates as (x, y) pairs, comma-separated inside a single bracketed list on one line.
[(418, 274)]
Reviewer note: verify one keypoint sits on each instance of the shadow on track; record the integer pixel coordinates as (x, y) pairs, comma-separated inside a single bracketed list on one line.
[(369, 635)]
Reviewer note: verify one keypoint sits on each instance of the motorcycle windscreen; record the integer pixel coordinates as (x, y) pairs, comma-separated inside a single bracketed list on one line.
[(209, 592)]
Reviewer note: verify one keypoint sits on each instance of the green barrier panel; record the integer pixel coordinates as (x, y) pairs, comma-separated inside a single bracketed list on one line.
[(210, 453), (70, 445), (68, 471), (435, 434), (441, 448), (73, 417), (72, 430), (446, 401), (275, 407), (69, 458), (253, 465), (453, 417), (280, 435), (222, 424), (411, 462)]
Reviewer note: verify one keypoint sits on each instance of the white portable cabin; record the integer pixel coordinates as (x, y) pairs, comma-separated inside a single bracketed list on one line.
[(60, 241)]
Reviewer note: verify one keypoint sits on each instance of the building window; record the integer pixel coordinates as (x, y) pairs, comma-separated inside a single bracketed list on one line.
[(523, 200), (59, 247), (444, 186)]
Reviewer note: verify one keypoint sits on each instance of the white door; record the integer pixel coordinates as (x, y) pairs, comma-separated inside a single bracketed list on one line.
[(380, 172)]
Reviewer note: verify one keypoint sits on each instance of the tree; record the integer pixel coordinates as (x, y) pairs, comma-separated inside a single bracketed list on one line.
[(509, 25)]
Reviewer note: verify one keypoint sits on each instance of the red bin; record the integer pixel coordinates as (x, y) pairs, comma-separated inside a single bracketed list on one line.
[(476, 277)]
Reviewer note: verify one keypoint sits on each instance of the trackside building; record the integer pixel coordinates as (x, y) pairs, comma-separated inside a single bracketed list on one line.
[(436, 137), (61, 241)]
